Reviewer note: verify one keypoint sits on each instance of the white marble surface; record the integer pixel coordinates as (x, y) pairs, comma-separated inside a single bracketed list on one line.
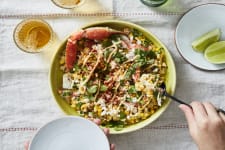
[(25, 99)]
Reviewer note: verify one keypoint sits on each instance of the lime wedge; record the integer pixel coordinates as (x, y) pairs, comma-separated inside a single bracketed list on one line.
[(202, 42), (215, 53)]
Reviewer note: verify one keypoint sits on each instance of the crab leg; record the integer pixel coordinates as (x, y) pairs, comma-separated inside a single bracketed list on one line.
[(94, 33)]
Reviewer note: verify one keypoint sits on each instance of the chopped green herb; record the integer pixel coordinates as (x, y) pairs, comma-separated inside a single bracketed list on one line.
[(136, 33), (145, 54), (119, 57), (128, 99), (91, 97), (76, 68), (151, 54), (155, 94), (107, 77), (85, 68), (103, 88), (121, 82), (130, 72), (139, 93), (78, 105), (161, 49), (75, 86), (119, 128), (139, 63), (106, 43), (66, 93), (146, 43), (132, 90), (122, 115), (117, 60), (93, 89), (106, 53), (115, 37), (113, 123)]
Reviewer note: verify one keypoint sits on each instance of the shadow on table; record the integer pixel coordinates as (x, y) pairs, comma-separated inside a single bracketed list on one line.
[(48, 54)]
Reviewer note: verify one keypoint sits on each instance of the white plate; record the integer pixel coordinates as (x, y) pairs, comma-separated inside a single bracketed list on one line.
[(193, 24), (70, 133)]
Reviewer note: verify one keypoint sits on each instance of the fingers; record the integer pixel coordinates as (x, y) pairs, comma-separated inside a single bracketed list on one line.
[(96, 121), (26, 145), (199, 110), (106, 131), (188, 114), (211, 110), (112, 146)]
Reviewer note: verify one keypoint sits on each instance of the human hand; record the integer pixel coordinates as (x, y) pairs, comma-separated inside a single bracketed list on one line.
[(106, 131), (206, 125), (96, 121)]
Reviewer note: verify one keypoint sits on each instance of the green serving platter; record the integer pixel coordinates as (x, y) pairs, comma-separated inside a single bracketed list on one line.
[(56, 74)]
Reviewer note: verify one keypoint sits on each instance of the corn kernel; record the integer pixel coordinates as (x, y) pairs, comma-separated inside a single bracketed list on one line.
[(139, 86), (108, 118), (82, 89), (95, 108), (132, 120), (115, 118), (73, 105), (152, 111), (84, 107), (62, 60), (126, 112)]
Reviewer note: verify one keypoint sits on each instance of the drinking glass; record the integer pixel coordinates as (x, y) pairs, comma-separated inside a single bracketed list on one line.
[(153, 3), (68, 4), (33, 35)]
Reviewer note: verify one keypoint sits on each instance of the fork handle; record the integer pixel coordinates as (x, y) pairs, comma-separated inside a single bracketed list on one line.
[(176, 99), (182, 102), (221, 110)]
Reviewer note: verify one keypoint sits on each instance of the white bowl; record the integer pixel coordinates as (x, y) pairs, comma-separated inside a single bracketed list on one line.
[(67, 133), (193, 24)]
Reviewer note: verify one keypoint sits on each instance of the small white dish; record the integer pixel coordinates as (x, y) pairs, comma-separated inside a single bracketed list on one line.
[(70, 133), (193, 24)]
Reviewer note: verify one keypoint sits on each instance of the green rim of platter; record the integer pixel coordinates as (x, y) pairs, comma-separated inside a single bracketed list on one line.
[(55, 74)]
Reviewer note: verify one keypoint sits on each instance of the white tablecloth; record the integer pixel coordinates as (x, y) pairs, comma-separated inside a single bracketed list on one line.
[(25, 99)]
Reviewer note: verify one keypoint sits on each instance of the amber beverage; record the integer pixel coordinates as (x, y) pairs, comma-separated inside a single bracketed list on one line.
[(33, 35)]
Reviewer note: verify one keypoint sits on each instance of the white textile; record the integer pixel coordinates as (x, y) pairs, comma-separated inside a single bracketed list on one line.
[(26, 102)]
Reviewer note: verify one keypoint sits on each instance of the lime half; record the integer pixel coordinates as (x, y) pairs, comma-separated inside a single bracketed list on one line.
[(202, 42), (215, 53)]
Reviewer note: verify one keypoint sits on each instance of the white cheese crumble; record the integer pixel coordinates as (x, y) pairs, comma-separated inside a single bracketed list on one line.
[(97, 47), (144, 84), (67, 81), (159, 99), (138, 42), (113, 64), (85, 100), (130, 54)]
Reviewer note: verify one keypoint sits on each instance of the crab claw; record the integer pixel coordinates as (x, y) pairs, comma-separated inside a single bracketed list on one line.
[(100, 33), (93, 33)]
